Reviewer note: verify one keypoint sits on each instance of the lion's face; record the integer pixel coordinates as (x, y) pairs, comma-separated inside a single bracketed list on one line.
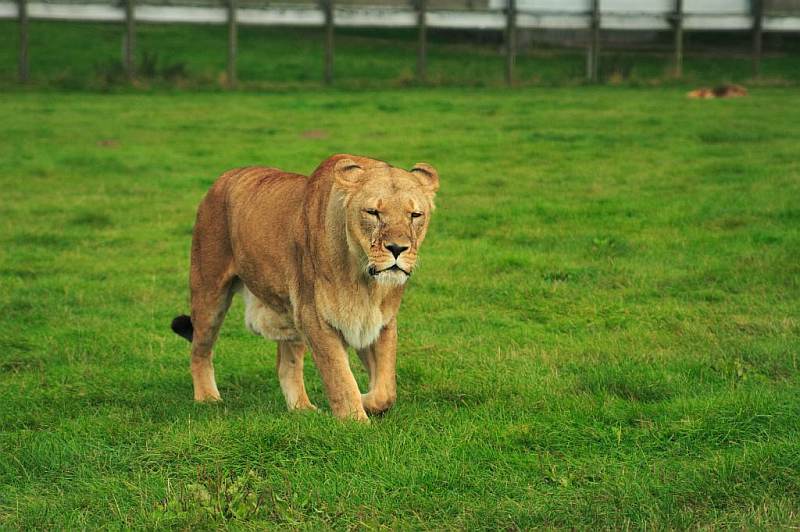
[(388, 211)]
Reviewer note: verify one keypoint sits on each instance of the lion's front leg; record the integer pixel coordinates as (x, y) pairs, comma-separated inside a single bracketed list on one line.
[(380, 359), (330, 357)]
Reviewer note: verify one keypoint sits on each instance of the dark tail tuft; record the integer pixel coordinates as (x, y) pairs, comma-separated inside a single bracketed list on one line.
[(182, 325)]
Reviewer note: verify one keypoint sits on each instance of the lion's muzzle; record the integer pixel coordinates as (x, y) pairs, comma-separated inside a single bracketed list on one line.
[(373, 271)]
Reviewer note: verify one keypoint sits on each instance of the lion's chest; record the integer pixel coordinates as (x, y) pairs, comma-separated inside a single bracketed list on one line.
[(358, 316)]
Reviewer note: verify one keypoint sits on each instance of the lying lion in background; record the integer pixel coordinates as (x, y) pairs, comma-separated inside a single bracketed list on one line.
[(321, 262), (722, 91)]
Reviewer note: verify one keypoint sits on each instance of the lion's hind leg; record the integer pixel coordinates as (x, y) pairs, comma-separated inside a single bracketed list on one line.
[(208, 312), (212, 281), (290, 375)]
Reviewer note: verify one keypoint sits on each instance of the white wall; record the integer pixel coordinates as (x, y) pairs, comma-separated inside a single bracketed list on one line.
[(551, 14)]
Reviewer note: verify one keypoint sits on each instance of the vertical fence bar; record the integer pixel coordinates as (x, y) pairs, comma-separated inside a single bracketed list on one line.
[(327, 7), (24, 65), (130, 37), (677, 25), (757, 7), (511, 39), (593, 51), (422, 43), (232, 44)]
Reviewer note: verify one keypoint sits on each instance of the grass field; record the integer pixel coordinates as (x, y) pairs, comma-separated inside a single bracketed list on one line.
[(87, 56), (604, 330)]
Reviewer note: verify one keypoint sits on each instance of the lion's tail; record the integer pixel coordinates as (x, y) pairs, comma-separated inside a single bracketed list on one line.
[(182, 325)]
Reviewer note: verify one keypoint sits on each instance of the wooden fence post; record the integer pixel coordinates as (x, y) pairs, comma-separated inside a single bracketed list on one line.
[(232, 42), (327, 6), (422, 44), (677, 25), (593, 51), (757, 7), (24, 66), (130, 38), (511, 39)]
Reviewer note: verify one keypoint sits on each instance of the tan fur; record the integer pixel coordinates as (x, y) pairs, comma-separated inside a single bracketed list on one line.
[(308, 255), (723, 91)]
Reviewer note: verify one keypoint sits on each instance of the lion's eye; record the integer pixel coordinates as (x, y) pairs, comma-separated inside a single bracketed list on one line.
[(372, 212), (416, 214)]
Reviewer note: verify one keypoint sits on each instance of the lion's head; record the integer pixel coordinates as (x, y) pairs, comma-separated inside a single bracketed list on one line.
[(387, 213)]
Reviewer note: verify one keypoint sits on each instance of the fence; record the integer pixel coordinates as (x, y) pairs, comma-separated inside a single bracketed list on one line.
[(509, 16)]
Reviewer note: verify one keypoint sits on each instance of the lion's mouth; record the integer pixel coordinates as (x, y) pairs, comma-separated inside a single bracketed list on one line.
[(374, 271)]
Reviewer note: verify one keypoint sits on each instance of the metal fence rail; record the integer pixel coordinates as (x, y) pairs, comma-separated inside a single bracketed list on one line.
[(678, 16)]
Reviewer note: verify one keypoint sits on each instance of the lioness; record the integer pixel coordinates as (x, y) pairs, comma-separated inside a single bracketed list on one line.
[(320, 261), (721, 91)]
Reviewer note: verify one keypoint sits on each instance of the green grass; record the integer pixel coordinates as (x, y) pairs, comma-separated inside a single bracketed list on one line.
[(604, 330), (87, 55)]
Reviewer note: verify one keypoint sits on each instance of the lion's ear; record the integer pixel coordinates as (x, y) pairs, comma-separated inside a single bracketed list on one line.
[(427, 176), (347, 173)]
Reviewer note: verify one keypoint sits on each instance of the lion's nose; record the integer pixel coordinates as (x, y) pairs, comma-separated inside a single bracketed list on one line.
[(395, 249)]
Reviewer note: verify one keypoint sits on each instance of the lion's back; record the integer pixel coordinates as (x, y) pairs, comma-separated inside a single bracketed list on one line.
[(260, 209), (260, 184)]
